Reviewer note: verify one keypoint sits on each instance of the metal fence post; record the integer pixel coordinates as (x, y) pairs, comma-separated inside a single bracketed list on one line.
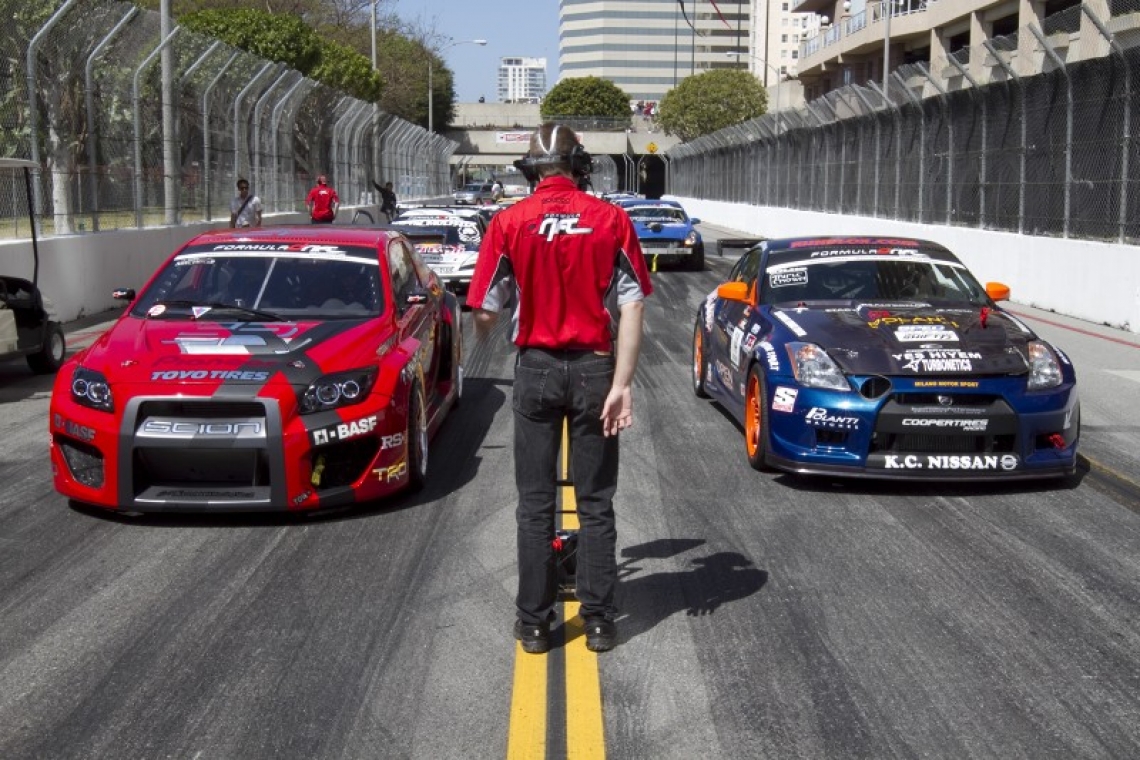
[(238, 123), (1126, 125), (275, 118), (89, 106), (1068, 124), (950, 142), (1009, 72), (985, 123), (206, 131), (138, 125)]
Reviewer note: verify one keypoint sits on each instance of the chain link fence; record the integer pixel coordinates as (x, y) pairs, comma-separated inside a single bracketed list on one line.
[(81, 94), (1034, 132)]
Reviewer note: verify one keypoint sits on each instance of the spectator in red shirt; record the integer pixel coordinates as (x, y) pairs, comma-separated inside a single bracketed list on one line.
[(322, 202), (570, 264)]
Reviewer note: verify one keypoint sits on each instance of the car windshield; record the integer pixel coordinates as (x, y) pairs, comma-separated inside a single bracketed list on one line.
[(655, 214), (475, 187), (207, 282), (882, 278)]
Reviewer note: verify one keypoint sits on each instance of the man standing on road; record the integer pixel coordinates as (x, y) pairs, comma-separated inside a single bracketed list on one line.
[(245, 209), (570, 263), (322, 202)]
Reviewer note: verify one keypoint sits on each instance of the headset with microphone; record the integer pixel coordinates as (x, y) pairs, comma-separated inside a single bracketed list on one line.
[(579, 161)]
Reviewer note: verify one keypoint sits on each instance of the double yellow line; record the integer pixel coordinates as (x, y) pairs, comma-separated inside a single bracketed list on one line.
[(533, 722)]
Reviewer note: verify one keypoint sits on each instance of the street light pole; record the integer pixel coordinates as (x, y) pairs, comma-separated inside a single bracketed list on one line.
[(431, 92)]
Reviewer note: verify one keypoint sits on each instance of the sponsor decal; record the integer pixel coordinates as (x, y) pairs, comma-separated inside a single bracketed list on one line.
[(157, 310), (84, 433), (215, 374), (991, 462), (1061, 355), (561, 224), (206, 361), (770, 356), (391, 473), (302, 497), (710, 310), (755, 329), (785, 399), (877, 319), (818, 417), (750, 342), (946, 383), (204, 495), (289, 247), (971, 426), (1068, 419), (785, 277), (923, 334), (199, 311), (948, 410), (512, 138), (930, 360), (734, 346), (242, 338), (344, 431), (724, 374), (790, 323), (391, 441)]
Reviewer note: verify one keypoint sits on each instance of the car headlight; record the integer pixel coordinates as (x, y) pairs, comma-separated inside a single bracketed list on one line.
[(813, 368), (90, 388), (1044, 369), (338, 389), (692, 238)]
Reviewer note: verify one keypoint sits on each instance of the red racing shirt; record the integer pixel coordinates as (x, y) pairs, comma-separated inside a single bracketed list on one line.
[(566, 260), (322, 197)]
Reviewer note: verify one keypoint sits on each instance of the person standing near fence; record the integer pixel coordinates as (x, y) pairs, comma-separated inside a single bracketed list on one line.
[(322, 202), (572, 265), (245, 208)]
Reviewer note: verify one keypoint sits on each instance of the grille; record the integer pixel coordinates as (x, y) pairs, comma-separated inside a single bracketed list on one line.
[(344, 463), (85, 462), (924, 443), (204, 408)]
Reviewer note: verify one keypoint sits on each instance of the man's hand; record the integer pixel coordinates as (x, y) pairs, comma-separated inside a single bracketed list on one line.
[(617, 412), (484, 321)]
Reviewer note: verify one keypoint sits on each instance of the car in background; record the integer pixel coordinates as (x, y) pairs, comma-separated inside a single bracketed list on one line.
[(285, 368), (451, 257), (475, 193), (29, 323), (665, 230), (885, 358), (469, 222)]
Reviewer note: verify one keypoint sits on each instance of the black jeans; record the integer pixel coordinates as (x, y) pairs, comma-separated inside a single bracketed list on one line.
[(552, 386)]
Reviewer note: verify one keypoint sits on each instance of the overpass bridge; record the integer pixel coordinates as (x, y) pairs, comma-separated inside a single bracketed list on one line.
[(493, 135)]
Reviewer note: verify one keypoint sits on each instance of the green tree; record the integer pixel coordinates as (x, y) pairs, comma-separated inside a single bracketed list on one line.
[(287, 39), (586, 97), (706, 102)]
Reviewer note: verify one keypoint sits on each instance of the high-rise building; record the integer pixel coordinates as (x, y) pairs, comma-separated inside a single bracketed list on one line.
[(646, 47), (522, 80), (775, 47)]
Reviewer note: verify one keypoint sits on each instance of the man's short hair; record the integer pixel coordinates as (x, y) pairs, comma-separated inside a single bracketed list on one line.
[(242, 181)]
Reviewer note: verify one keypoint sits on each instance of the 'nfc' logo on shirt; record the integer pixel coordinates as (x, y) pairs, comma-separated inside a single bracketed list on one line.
[(561, 224)]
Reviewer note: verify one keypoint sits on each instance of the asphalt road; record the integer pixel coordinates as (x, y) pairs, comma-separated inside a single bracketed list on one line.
[(764, 616)]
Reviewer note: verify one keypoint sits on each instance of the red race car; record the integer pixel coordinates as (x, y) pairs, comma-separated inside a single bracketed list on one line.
[(287, 368)]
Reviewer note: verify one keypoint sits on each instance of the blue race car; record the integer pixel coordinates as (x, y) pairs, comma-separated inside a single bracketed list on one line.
[(884, 358), (664, 229)]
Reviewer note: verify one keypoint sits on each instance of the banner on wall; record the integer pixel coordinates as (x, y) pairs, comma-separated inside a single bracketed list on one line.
[(512, 138)]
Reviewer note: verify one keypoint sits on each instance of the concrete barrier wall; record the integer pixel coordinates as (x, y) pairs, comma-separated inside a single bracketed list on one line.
[(79, 272), (1097, 282)]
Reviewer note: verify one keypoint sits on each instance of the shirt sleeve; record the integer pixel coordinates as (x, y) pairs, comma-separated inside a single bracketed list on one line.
[(633, 283), (491, 283)]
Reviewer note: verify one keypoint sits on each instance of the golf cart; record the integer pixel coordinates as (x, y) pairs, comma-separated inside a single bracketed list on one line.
[(28, 325)]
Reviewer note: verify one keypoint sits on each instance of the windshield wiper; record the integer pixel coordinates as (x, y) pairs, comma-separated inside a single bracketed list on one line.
[(267, 316)]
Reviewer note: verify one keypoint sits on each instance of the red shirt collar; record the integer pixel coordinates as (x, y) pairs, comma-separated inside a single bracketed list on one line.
[(557, 183)]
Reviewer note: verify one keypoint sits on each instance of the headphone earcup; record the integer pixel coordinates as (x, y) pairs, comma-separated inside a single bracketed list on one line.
[(581, 162)]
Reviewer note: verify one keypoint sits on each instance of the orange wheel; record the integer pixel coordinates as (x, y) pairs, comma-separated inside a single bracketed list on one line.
[(756, 420), (700, 366)]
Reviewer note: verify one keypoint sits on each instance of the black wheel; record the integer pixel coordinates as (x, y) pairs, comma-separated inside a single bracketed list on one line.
[(756, 419), (697, 259), (50, 357), (417, 440), (700, 362)]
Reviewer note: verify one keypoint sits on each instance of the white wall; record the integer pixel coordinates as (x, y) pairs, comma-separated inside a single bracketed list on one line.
[(78, 272), (1097, 282)]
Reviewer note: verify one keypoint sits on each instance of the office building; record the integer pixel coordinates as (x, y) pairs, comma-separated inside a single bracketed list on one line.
[(522, 80)]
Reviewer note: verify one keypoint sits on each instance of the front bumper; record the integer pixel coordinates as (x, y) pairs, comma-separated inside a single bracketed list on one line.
[(206, 454)]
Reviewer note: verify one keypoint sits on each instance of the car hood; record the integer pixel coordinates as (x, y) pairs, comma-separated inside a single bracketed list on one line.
[(913, 339), (138, 350), (663, 230)]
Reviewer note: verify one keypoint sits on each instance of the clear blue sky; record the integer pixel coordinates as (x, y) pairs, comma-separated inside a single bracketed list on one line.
[(522, 28)]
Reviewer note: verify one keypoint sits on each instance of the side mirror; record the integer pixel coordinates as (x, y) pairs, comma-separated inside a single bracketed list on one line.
[(417, 297), (733, 291), (694, 220), (997, 291), (123, 294)]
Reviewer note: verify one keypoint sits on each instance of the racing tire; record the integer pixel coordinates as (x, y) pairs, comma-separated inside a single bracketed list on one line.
[(756, 419), (697, 259), (700, 365), (417, 442), (49, 358)]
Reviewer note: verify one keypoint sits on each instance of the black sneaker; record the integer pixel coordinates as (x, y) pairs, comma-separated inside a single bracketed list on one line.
[(535, 639), (601, 634)]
